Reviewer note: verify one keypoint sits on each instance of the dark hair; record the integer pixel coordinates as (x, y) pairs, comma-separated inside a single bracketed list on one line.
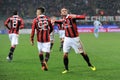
[(42, 9), (15, 12), (66, 9)]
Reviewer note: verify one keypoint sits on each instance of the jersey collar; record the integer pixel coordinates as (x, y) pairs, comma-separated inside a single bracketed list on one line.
[(41, 15), (67, 15), (15, 15)]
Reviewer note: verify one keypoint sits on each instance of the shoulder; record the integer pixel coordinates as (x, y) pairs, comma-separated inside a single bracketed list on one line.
[(34, 20), (96, 21), (48, 18), (10, 17), (20, 18)]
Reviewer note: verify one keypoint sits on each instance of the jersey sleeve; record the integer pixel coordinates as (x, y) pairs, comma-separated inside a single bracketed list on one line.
[(33, 30), (7, 22), (59, 21), (80, 16), (77, 16)]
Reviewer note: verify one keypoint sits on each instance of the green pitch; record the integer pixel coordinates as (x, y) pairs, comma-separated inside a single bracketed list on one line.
[(104, 53)]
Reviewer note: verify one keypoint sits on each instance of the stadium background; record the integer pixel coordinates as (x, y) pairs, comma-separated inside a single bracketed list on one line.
[(103, 51), (107, 11)]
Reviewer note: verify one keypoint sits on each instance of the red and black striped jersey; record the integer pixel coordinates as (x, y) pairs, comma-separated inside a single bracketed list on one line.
[(70, 25), (42, 25), (14, 23)]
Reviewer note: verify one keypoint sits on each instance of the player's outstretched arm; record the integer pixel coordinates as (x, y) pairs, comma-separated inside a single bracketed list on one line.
[(77, 16)]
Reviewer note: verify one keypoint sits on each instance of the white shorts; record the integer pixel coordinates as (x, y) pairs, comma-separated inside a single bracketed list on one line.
[(61, 33), (44, 47), (75, 43), (13, 39)]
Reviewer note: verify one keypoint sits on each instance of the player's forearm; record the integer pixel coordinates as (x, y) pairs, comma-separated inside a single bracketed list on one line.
[(74, 16), (32, 34), (80, 16), (58, 21), (33, 31), (32, 37)]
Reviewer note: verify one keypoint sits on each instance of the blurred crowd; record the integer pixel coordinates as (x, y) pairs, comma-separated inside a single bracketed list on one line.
[(27, 8)]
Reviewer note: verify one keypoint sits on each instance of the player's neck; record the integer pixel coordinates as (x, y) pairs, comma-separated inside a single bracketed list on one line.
[(64, 16), (15, 15)]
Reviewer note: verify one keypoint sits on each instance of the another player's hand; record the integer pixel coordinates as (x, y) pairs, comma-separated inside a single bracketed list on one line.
[(32, 43), (52, 21)]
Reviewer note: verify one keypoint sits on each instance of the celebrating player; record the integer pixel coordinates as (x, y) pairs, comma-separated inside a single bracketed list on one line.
[(42, 25), (72, 38), (13, 24), (97, 24)]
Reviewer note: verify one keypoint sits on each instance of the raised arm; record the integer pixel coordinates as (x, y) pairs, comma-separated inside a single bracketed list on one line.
[(53, 20), (77, 16)]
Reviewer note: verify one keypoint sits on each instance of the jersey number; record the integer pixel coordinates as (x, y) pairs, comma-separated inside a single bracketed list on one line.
[(42, 24), (14, 23)]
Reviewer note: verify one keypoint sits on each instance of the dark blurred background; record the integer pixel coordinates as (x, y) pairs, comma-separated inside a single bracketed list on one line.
[(26, 8)]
